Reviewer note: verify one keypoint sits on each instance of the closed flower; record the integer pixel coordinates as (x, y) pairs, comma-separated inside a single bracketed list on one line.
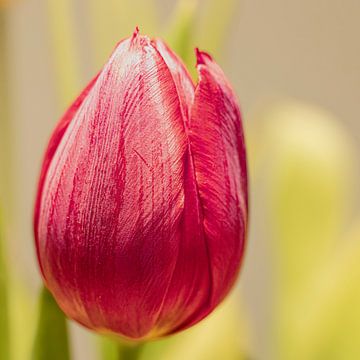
[(141, 212)]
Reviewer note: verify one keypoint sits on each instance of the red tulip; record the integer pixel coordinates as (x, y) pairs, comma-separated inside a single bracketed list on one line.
[(141, 212)]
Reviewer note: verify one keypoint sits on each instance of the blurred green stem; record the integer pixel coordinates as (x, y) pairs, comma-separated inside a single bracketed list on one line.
[(129, 351), (180, 33), (51, 339)]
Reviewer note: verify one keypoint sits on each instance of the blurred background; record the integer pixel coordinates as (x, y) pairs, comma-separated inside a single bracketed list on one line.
[(295, 66)]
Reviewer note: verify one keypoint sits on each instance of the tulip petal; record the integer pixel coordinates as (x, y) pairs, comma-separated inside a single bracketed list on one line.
[(54, 142), (181, 76), (190, 283), (218, 151), (215, 208), (113, 196)]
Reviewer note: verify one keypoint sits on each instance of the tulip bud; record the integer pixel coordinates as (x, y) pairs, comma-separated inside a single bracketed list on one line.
[(141, 213)]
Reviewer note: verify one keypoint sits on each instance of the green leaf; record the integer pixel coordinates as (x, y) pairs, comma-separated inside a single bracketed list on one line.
[(51, 340)]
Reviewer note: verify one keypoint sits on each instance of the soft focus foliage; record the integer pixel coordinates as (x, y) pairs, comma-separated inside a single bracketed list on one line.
[(179, 35), (4, 318), (307, 162), (214, 23), (22, 318), (226, 329), (51, 340), (331, 327)]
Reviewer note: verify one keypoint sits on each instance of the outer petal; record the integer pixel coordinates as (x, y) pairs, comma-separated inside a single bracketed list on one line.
[(113, 197), (218, 153), (52, 146), (181, 76)]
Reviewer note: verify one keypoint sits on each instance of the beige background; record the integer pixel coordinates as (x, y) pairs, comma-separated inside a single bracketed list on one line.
[(307, 49)]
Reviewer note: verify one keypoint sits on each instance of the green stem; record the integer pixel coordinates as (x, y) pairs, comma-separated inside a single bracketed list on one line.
[(51, 339), (129, 351)]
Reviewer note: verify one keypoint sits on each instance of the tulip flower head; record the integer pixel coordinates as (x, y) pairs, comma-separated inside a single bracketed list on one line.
[(141, 213)]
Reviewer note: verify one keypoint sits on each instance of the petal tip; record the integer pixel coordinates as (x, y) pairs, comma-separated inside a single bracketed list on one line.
[(141, 40), (202, 57), (136, 32)]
